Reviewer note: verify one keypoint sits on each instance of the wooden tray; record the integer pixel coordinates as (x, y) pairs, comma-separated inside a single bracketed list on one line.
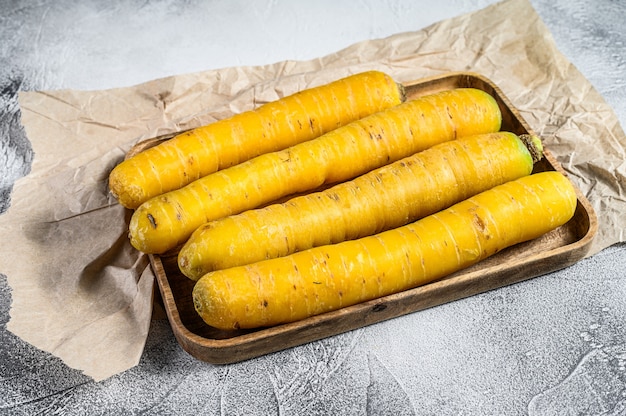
[(555, 250)]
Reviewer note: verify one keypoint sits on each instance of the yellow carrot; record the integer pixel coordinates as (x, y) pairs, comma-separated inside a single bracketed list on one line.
[(164, 222), (385, 198), (273, 126), (327, 278)]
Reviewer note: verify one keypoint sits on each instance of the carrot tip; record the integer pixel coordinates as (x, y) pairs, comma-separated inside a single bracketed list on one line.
[(534, 145), (402, 91)]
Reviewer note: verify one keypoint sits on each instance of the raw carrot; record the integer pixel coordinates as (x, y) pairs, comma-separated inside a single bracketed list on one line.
[(327, 278), (273, 126), (164, 222), (385, 198)]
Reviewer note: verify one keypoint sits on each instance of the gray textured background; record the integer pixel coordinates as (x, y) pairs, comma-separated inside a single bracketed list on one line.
[(554, 345)]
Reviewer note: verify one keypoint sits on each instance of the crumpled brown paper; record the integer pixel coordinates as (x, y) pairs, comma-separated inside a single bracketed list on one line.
[(82, 293)]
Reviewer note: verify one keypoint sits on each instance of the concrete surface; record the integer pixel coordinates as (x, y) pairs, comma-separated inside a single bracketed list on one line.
[(554, 345)]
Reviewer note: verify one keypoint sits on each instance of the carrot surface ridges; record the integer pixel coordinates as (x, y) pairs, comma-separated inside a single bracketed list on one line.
[(327, 278), (164, 222), (273, 126), (385, 198)]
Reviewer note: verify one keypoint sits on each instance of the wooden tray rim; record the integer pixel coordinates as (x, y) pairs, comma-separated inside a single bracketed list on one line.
[(190, 340)]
